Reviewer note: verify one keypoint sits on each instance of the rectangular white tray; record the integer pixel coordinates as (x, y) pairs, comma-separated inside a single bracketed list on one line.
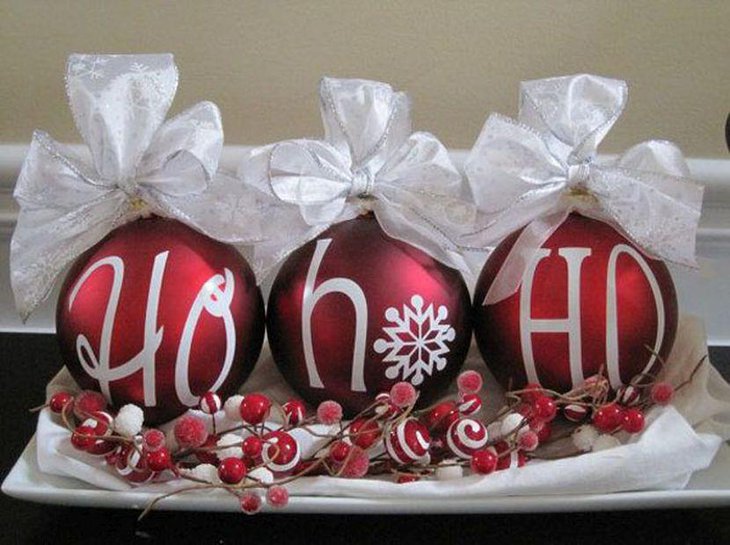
[(708, 488)]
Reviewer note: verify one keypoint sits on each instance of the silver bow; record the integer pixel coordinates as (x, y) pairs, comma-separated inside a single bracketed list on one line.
[(535, 171), (368, 161), (137, 164)]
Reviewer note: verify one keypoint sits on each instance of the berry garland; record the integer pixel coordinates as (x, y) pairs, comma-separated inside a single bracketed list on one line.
[(390, 437)]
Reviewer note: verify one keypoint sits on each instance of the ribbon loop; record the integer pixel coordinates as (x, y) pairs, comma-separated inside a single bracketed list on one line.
[(368, 161), (533, 172), (138, 165)]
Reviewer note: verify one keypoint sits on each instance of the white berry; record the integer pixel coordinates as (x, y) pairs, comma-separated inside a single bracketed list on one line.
[(448, 472), (510, 423), (129, 420), (232, 407), (230, 444), (605, 442), (584, 437)]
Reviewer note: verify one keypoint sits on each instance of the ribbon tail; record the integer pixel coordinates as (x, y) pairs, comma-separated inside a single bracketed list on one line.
[(509, 278)]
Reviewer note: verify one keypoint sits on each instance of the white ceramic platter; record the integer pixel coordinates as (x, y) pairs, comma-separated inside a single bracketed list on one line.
[(708, 488)]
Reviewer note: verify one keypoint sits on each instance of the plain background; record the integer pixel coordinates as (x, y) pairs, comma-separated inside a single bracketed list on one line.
[(261, 61)]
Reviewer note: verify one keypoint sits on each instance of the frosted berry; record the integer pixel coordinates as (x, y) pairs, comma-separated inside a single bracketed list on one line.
[(153, 439), (403, 394), (356, 464), (329, 413), (608, 417), (252, 447), (88, 402), (255, 408), (294, 411), (469, 382), (59, 401), (277, 496), (662, 393), (250, 503), (633, 420), (484, 461), (232, 470), (527, 440), (190, 431), (158, 460), (210, 403)]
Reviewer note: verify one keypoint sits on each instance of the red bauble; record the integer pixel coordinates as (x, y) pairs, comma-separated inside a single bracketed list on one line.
[(466, 436), (157, 314), (594, 301), (354, 311), (407, 441)]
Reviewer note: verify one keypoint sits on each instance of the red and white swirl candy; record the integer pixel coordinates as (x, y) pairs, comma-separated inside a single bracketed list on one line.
[(575, 412), (470, 404), (408, 441), (466, 436), (210, 403), (131, 465), (101, 423), (281, 451)]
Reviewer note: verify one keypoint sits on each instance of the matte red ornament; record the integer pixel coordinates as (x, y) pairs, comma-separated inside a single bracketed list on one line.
[(355, 311), (590, 300), (157, 314)]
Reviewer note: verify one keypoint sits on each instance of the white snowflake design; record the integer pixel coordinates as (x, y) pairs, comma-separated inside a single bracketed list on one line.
[(89, 66), (416, 343)]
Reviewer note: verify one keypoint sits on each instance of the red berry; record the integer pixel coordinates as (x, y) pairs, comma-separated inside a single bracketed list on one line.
[(252, 447), (662, 393), (608, 417), (545, 408), (544, 431), (158, 460), (357, 464), (250, 503), (83, 437), (534, 390), (440, 417), (277, 496), (59, 401), (339, 451), (255, 408), (232, 470), (528, 440), (364, 432), (633, 421), (484, 461), (404, 478), (295, 411)]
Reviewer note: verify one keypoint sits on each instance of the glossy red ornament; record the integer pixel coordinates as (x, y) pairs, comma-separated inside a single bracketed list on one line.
[(158, 460), (440, 417), (156, 314), (59, 401), (364, 432), (255, 408), (590, 300), (608, 418), (232, 470), (355, 311)]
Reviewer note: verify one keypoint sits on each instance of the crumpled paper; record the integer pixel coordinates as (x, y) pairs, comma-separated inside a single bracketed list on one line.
[(678, 441)]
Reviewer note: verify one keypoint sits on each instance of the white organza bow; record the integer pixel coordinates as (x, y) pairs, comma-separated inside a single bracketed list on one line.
[(139, 164), (368, 161), (535, 171)]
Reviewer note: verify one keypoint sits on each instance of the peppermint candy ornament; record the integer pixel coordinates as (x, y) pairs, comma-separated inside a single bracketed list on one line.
[(131, 464), (575, 412), (210, 403), (407, 441), (465, 436)]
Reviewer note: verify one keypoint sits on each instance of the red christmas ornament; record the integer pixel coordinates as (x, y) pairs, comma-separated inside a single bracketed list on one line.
[(589, 300), (131, 464), (440, 417), (355, 311), (157, 314)]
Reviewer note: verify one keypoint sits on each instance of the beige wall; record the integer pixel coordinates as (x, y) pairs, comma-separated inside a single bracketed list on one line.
[(260, 61)]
